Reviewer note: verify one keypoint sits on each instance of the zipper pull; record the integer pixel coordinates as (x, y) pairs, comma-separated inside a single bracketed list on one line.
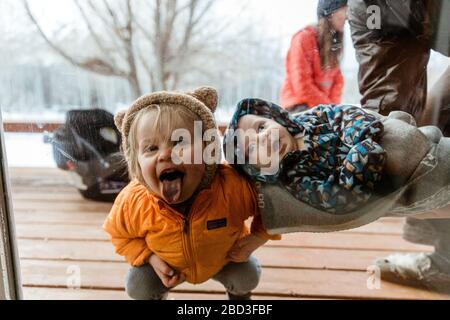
[(185, 225)]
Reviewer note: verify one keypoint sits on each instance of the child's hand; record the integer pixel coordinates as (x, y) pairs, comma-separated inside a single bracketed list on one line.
[(243, 248), (169, 277)]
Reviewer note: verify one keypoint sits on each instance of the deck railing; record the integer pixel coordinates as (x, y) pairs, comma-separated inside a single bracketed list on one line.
[(38, 127)]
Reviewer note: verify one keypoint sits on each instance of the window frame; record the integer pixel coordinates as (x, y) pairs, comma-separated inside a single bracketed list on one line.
[(10, 283)]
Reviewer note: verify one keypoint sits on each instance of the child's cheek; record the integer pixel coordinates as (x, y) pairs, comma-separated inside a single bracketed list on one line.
[(147, 166), (188, 153), (182, 154), (195, 152)]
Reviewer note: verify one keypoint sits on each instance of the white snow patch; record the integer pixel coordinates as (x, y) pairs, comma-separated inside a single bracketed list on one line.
[(28, 150)]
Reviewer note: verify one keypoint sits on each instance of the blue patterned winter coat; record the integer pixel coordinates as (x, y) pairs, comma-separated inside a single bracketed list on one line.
[(342, 160)]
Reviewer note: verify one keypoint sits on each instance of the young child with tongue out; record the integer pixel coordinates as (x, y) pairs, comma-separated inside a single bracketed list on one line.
[(181, 220)]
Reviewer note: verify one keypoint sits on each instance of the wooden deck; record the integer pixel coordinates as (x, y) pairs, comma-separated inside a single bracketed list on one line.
[(59, 233)]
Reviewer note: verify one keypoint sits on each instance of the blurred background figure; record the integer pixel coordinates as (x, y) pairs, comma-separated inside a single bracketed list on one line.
[(437, 108), (313, 74), (393, 42)]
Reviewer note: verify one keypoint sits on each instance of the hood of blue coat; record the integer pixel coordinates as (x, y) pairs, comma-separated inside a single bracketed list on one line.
[(262, 108)]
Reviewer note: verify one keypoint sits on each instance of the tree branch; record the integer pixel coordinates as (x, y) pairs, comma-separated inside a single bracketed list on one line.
[(92, 64), (91, 29), (128, 40), (110, 28)]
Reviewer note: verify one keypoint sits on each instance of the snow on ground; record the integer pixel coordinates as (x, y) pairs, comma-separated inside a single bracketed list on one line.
[(28, 150)]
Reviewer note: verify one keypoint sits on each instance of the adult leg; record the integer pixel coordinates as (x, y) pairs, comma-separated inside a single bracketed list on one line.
[(429, 270), (142, 283), (239, 279), (437, 110), (392, 76), (392, 59)]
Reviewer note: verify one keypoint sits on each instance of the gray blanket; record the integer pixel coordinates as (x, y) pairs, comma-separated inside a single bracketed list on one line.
[(420, 156)]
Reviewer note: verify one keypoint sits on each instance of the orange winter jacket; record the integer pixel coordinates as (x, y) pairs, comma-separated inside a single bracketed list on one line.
[(140, 224), (306, 82)]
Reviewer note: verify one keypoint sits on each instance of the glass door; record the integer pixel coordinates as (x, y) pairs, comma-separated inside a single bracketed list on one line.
[(9, 261)]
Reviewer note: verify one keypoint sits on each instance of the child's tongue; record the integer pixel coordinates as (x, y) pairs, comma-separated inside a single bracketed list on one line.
[(171, 190)]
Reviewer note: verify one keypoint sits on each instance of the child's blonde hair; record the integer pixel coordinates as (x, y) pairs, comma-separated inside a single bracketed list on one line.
[(167, 119)]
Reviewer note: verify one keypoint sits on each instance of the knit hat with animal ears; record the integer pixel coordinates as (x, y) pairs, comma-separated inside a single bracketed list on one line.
[(202, 101)]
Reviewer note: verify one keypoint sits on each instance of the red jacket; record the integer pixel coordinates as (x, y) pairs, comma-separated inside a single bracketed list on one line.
[(306, 82)]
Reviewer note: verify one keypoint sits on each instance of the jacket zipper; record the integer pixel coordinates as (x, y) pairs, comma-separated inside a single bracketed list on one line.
[(185, 225), (187, 242), (184, 238), (188, 245)]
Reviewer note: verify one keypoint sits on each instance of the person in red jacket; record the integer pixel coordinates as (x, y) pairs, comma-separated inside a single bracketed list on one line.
[(313, 75)]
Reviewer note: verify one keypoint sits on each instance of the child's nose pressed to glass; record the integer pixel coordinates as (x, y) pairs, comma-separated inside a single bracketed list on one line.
[(265, 140)]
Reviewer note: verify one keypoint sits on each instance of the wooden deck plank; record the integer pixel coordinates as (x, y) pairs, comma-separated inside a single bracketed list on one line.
[(98, 212), (37, 217), (379, 227), (73, 221), (57, 228), (348, 241), (339, 240), (35, 293), (330, 259), (289, 282), (62, 232), (34, 172), (96, 218), (63, 206), (69, 194), (53, 191)]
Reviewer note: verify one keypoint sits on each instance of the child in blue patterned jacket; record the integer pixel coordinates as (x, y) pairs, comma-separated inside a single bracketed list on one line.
[(328, 156)]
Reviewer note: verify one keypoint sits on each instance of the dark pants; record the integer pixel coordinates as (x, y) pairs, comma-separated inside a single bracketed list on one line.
[(392, 76), (435, 232), (142, 283), (437, 110), (392, 60)]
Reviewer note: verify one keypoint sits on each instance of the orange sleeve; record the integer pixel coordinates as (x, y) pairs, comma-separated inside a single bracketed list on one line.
[(336, 90), (257, 226), (258, 229), (124, 226), (302, 73)]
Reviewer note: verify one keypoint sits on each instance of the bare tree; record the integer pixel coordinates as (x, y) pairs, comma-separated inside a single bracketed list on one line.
[(150, 44)]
